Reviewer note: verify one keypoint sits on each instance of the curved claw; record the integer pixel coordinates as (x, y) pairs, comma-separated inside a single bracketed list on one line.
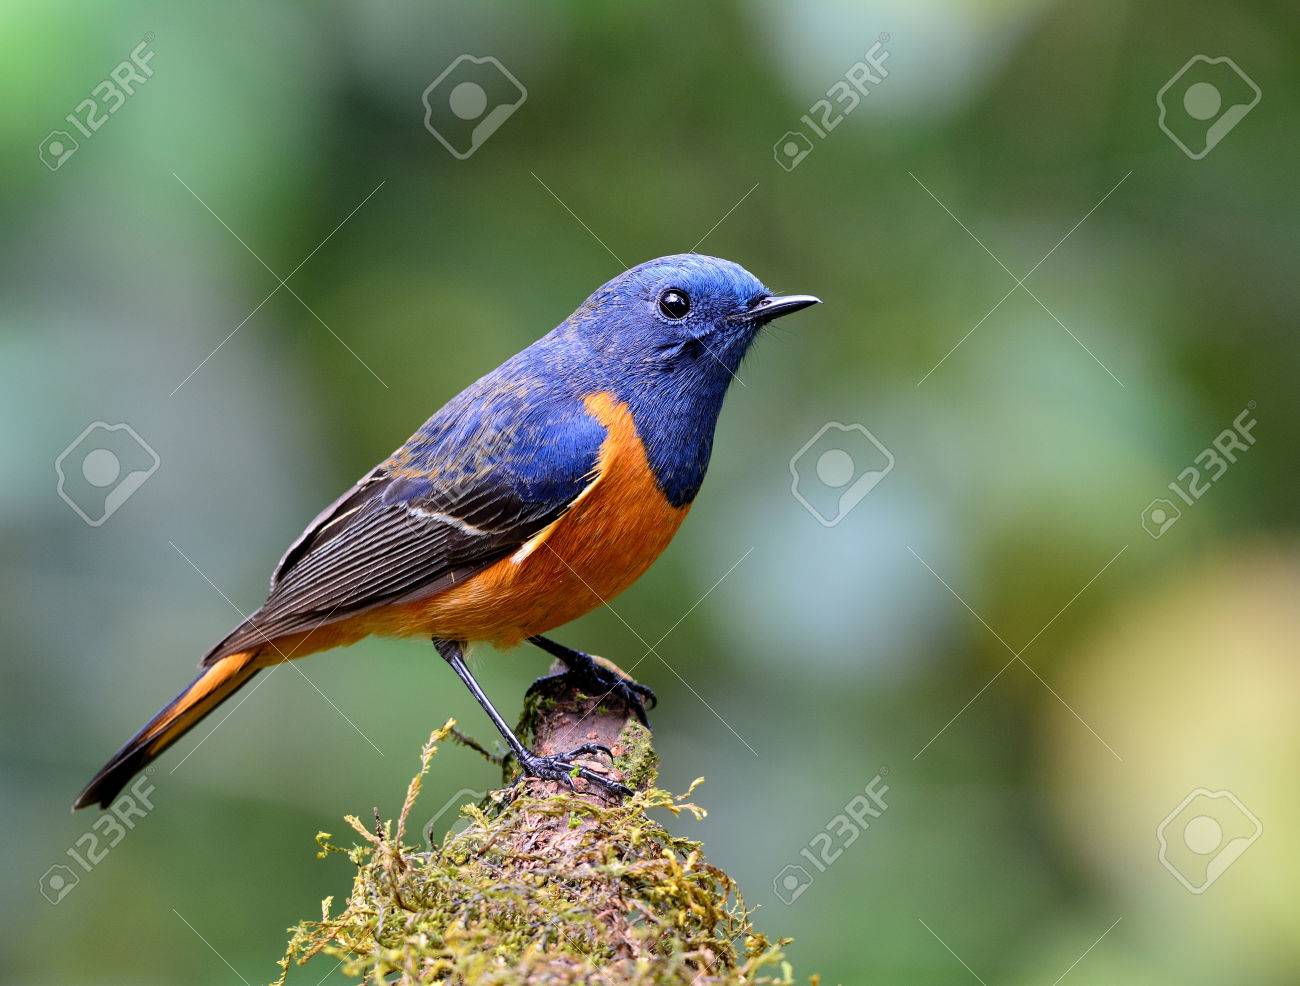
[(601, 684), (632, 693), (587, 749), (601, 781), (644, 692), (562, 768)]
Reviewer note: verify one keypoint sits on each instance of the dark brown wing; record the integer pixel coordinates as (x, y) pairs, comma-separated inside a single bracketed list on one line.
[(399, 535), (370, 551), (500, 461)]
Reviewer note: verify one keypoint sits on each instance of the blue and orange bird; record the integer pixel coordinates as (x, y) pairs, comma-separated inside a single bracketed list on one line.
[(543, 489)]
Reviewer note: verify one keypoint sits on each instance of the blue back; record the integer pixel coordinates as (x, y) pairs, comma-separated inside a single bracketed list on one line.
[(524, 425)]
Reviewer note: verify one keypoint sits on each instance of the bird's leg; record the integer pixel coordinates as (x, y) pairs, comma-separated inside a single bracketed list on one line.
[(560, 767), (596, 677)]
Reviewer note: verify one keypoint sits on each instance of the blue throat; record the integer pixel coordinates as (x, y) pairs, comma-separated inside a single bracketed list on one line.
[(676, 418)]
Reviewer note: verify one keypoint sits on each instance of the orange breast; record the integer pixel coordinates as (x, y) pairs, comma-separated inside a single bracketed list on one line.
[(618, 525)]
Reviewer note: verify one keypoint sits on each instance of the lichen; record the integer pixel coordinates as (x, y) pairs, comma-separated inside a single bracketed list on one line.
[(540, 886)]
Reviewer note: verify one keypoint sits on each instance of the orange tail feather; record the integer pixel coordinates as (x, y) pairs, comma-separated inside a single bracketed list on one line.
[(216, 684)]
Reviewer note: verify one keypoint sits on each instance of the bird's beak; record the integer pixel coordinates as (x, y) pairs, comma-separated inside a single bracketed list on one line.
[(774, 306)]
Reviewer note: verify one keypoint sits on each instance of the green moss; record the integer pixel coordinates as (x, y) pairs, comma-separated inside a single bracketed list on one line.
[(636, 758), (542, 887)]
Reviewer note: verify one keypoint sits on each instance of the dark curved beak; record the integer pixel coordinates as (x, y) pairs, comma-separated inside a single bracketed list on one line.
[(774, 306)]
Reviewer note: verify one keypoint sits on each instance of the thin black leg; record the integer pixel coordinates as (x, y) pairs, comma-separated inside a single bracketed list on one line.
[(596, 678), (556, 768)]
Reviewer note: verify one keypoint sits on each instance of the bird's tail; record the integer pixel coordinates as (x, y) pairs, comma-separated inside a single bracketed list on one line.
[(216, 684)]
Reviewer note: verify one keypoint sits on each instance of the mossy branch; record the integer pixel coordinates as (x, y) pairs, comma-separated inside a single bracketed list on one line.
[(544, 884)]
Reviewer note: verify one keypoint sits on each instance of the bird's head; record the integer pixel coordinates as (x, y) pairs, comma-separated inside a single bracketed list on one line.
[(685, 315), (666, 338)]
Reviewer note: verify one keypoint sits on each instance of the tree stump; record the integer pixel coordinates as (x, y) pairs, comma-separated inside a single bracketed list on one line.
[(544, 884)]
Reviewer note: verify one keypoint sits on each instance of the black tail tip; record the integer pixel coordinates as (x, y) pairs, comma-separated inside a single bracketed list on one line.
[(94, 794), (101, 793), (87, 798), (105, 786)]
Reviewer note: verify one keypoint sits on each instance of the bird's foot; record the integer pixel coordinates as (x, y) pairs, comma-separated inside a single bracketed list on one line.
[(564, 767), (601, 682)]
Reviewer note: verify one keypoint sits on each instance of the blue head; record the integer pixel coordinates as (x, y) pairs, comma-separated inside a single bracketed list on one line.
[(687, 316), (667, 337)]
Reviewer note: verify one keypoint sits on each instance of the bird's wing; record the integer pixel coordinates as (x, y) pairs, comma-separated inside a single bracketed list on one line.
[(458, 497)]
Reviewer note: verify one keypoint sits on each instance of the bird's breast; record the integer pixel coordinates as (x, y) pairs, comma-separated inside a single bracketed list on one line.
[(613, 531)]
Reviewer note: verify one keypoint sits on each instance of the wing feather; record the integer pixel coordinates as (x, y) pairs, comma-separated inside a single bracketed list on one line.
[(428, 517)]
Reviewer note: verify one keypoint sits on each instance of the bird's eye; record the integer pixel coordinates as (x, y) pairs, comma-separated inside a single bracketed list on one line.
[(674, 303)]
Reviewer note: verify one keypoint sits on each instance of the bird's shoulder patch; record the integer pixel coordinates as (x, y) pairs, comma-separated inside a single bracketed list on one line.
[(622, 476), (611, 533)]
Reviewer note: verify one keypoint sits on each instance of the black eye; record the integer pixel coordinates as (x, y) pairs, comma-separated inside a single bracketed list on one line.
[(674, 303)]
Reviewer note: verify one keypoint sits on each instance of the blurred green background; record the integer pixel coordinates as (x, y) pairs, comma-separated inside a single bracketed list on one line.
[(1027, 827)]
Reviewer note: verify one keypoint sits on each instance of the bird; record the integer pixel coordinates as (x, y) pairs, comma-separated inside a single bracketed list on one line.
[(541, 491)]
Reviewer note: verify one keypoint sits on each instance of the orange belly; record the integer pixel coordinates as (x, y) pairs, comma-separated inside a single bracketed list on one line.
[(613, 532)]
